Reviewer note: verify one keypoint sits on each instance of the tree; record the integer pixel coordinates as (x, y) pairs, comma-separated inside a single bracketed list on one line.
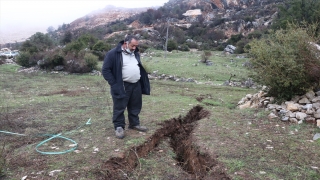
[(50, 29), (286, 62), (38, 42), (301, 12), (67, 38)]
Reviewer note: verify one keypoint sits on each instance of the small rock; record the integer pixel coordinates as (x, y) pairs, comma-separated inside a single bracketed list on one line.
[(310, 120), (293, 120), (317, 115), (54, 172), (307, 107), (316, 106), (316, 136), (318, 123), (292, 106), (246, 105), (301, 116), (72, 145), (272, 116)]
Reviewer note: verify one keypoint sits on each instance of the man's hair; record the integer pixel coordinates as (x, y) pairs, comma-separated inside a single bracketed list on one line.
[(130, 37)]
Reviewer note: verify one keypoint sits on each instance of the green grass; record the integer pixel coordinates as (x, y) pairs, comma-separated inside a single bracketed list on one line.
[(187, 65), (44, 103)]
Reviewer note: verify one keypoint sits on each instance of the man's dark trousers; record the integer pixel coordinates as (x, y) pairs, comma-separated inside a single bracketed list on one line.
[(133, 103)]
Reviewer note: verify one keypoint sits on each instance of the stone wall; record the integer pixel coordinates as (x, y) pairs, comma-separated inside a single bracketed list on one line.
[(301, 109)]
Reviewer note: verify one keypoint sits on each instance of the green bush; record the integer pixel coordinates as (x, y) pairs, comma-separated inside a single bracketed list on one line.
[(91, 60), (255, 35), (192, 44), (172, 45), (286, 62), (23, 59), (183, 47), (240, 46), (220, 48), (52, 59), (75, 62), (234, 39)]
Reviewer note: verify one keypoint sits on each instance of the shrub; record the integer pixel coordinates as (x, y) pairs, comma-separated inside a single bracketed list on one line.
[(52, 59), (192, 44), (220, 47), (234, 39), (183, 47), (172, 45), (143, 48), (75, 63), (240, 46), (91, 60), (286, 62), (23, 59), (255, 35)]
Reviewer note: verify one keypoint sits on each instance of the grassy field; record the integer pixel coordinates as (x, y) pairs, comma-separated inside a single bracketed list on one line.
[(238, 144)]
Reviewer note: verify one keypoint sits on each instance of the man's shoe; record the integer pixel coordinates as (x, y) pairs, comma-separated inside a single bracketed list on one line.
[(139, 128), (119, 133)]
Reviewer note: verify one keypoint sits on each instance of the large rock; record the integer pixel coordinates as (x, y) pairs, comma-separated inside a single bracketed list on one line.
[(304, 101), (315, 99), (310, 95), (230, 49)]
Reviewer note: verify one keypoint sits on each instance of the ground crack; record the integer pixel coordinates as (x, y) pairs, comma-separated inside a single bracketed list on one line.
[(179, 130)]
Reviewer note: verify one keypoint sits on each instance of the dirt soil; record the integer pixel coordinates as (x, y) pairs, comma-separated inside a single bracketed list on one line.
[(199, 165)]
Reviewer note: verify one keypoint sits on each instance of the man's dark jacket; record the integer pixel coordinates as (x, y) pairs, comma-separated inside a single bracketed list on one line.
[(112, 72)]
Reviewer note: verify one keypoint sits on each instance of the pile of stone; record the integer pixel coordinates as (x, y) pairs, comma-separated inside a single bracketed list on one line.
[(300, 109), (156, 76)]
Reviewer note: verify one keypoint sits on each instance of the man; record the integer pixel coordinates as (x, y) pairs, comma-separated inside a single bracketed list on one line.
[(128, 80)]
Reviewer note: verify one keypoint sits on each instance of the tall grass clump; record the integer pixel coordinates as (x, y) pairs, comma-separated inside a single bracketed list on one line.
[(287, 62)]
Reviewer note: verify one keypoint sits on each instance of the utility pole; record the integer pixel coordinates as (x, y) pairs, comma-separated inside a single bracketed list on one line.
[(166, 46)]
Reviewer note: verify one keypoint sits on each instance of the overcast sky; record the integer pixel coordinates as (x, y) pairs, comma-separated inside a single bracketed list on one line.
[(26, 14)]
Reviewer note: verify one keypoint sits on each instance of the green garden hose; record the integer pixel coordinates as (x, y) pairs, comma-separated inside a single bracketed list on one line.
[(52, 137)]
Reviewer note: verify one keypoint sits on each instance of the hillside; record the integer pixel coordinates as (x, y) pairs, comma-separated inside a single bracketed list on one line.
[(209, 22), (218, 18)]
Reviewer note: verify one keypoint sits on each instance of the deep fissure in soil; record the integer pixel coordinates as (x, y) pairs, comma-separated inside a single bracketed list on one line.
[(179, 130)]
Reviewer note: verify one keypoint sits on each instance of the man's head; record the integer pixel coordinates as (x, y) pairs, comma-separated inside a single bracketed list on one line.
[(131, 42)]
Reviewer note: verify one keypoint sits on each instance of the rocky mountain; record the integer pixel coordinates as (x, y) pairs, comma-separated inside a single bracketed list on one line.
[(104, 16), (229, 16)]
